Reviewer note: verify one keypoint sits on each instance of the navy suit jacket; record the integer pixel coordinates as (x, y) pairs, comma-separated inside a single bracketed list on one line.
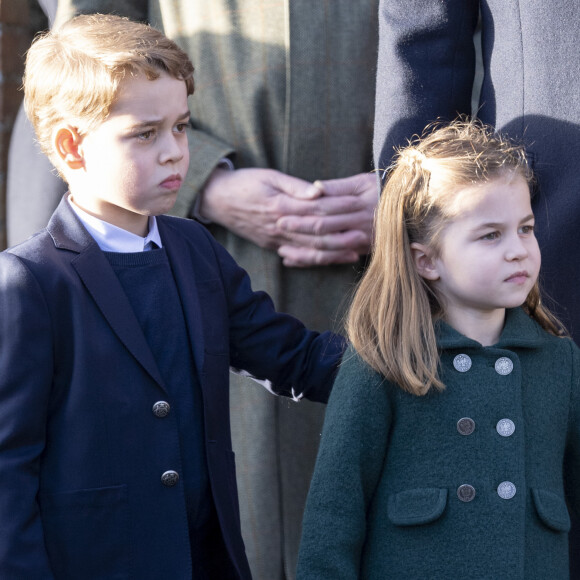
[(81, 451)]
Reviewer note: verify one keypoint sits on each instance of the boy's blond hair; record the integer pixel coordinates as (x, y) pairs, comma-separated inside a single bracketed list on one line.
[(390, 322), (73, 73)]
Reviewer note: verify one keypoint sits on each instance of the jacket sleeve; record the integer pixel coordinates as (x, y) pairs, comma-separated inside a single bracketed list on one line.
[(272, 347), (26, 369), (205, 150), (425, 69), (348, 467)]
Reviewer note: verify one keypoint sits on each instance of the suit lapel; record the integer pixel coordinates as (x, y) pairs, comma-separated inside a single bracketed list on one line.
[(102, 284), (106, 290), (182, 263)]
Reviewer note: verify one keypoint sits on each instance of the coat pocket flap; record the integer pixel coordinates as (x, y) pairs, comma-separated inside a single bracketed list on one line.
[(416, 506), (552, 510)]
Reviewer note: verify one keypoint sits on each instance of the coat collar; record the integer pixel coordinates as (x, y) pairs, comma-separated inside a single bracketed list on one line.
[(66, 230), (519, 331)]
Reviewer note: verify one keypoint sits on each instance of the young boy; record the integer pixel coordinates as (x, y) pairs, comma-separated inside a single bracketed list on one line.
[(115, 451)]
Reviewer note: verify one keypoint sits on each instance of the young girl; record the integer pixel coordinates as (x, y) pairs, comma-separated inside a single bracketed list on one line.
[(451, 446)]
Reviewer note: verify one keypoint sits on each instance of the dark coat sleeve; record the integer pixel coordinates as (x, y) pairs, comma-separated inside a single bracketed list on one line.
[(425, 69), (271, 346), (26, 369)]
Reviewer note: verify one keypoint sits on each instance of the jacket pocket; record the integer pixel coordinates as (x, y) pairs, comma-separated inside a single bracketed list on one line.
[(87, 533), (415, 507), (552, 510)]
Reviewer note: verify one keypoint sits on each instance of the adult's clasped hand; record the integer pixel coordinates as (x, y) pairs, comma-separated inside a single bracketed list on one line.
[(328, 222)]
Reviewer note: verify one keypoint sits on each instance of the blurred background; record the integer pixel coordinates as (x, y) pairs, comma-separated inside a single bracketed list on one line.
[(19, 22)]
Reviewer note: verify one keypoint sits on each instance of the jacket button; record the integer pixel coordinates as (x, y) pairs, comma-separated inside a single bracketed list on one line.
[(505, 427), (161, 409), (465, 492), (170, 478), (466, 426), (506, 490), (462, 363), (504, 366)]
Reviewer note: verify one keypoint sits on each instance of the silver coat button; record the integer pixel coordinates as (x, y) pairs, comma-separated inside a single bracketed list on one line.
[(161, 409), (462, 363), (504, 366), (170, 478), (465, 492), (506, 490), (466, 426), (505, 427)]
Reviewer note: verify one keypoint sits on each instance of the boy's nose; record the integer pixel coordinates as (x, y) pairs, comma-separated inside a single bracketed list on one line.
[(172, 150)]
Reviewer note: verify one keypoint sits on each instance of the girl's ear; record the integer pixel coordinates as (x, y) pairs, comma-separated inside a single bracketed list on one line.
[(424, 261), (67, 141)]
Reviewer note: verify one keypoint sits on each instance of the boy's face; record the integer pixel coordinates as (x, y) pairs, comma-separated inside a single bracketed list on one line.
[(135, 161)]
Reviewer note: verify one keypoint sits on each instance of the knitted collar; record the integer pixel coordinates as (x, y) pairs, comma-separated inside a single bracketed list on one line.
[(519, 331)]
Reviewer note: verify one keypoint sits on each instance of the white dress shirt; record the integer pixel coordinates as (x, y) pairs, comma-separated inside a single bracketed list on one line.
[(111, 238)]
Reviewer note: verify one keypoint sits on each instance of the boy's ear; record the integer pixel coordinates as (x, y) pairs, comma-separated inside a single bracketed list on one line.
[(424, 261), (67, 142)]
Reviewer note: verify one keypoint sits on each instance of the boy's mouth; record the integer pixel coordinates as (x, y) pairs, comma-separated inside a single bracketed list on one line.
[(172, 182)]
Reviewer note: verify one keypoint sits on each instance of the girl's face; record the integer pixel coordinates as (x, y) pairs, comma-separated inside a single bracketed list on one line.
[(488, 257)]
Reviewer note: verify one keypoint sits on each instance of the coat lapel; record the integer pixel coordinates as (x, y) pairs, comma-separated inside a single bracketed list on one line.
[(181, 259), (102, 284)]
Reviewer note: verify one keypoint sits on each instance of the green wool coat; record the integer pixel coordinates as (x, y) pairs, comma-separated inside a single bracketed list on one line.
[(427, 487)]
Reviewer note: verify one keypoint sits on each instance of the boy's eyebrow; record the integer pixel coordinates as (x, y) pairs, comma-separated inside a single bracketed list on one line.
[(149, 122)]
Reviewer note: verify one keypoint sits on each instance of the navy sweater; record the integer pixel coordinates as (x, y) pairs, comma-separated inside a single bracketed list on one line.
[(148, 282)]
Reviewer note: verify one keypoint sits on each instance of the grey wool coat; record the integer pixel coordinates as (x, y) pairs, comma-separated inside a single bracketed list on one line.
[(287, 85), (471, 482)]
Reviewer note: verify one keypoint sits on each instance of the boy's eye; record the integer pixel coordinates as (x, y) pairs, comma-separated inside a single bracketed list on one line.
[(180, 127), (490, 236), (145, 135)]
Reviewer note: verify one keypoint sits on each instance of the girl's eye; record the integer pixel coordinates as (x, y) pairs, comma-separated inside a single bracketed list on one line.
[(527, 229), (180, 127), (491, 236), (145, 135)]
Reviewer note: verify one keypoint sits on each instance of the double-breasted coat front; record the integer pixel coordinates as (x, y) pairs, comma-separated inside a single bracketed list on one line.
[(471, 482)]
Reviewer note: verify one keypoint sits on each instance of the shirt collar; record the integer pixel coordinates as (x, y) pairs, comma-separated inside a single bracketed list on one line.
[(111, 238)]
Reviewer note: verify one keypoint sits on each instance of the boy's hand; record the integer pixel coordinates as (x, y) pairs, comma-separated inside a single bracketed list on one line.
[(326, 223)]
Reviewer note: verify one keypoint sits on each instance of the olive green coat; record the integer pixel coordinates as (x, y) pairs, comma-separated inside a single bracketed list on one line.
[(287, 85), (385, 498)]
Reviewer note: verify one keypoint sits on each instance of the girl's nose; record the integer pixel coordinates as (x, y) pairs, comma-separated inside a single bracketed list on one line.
[(517, 249)]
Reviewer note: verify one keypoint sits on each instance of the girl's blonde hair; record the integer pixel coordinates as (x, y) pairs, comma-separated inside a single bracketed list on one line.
[(390, 322), (73, 73)]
